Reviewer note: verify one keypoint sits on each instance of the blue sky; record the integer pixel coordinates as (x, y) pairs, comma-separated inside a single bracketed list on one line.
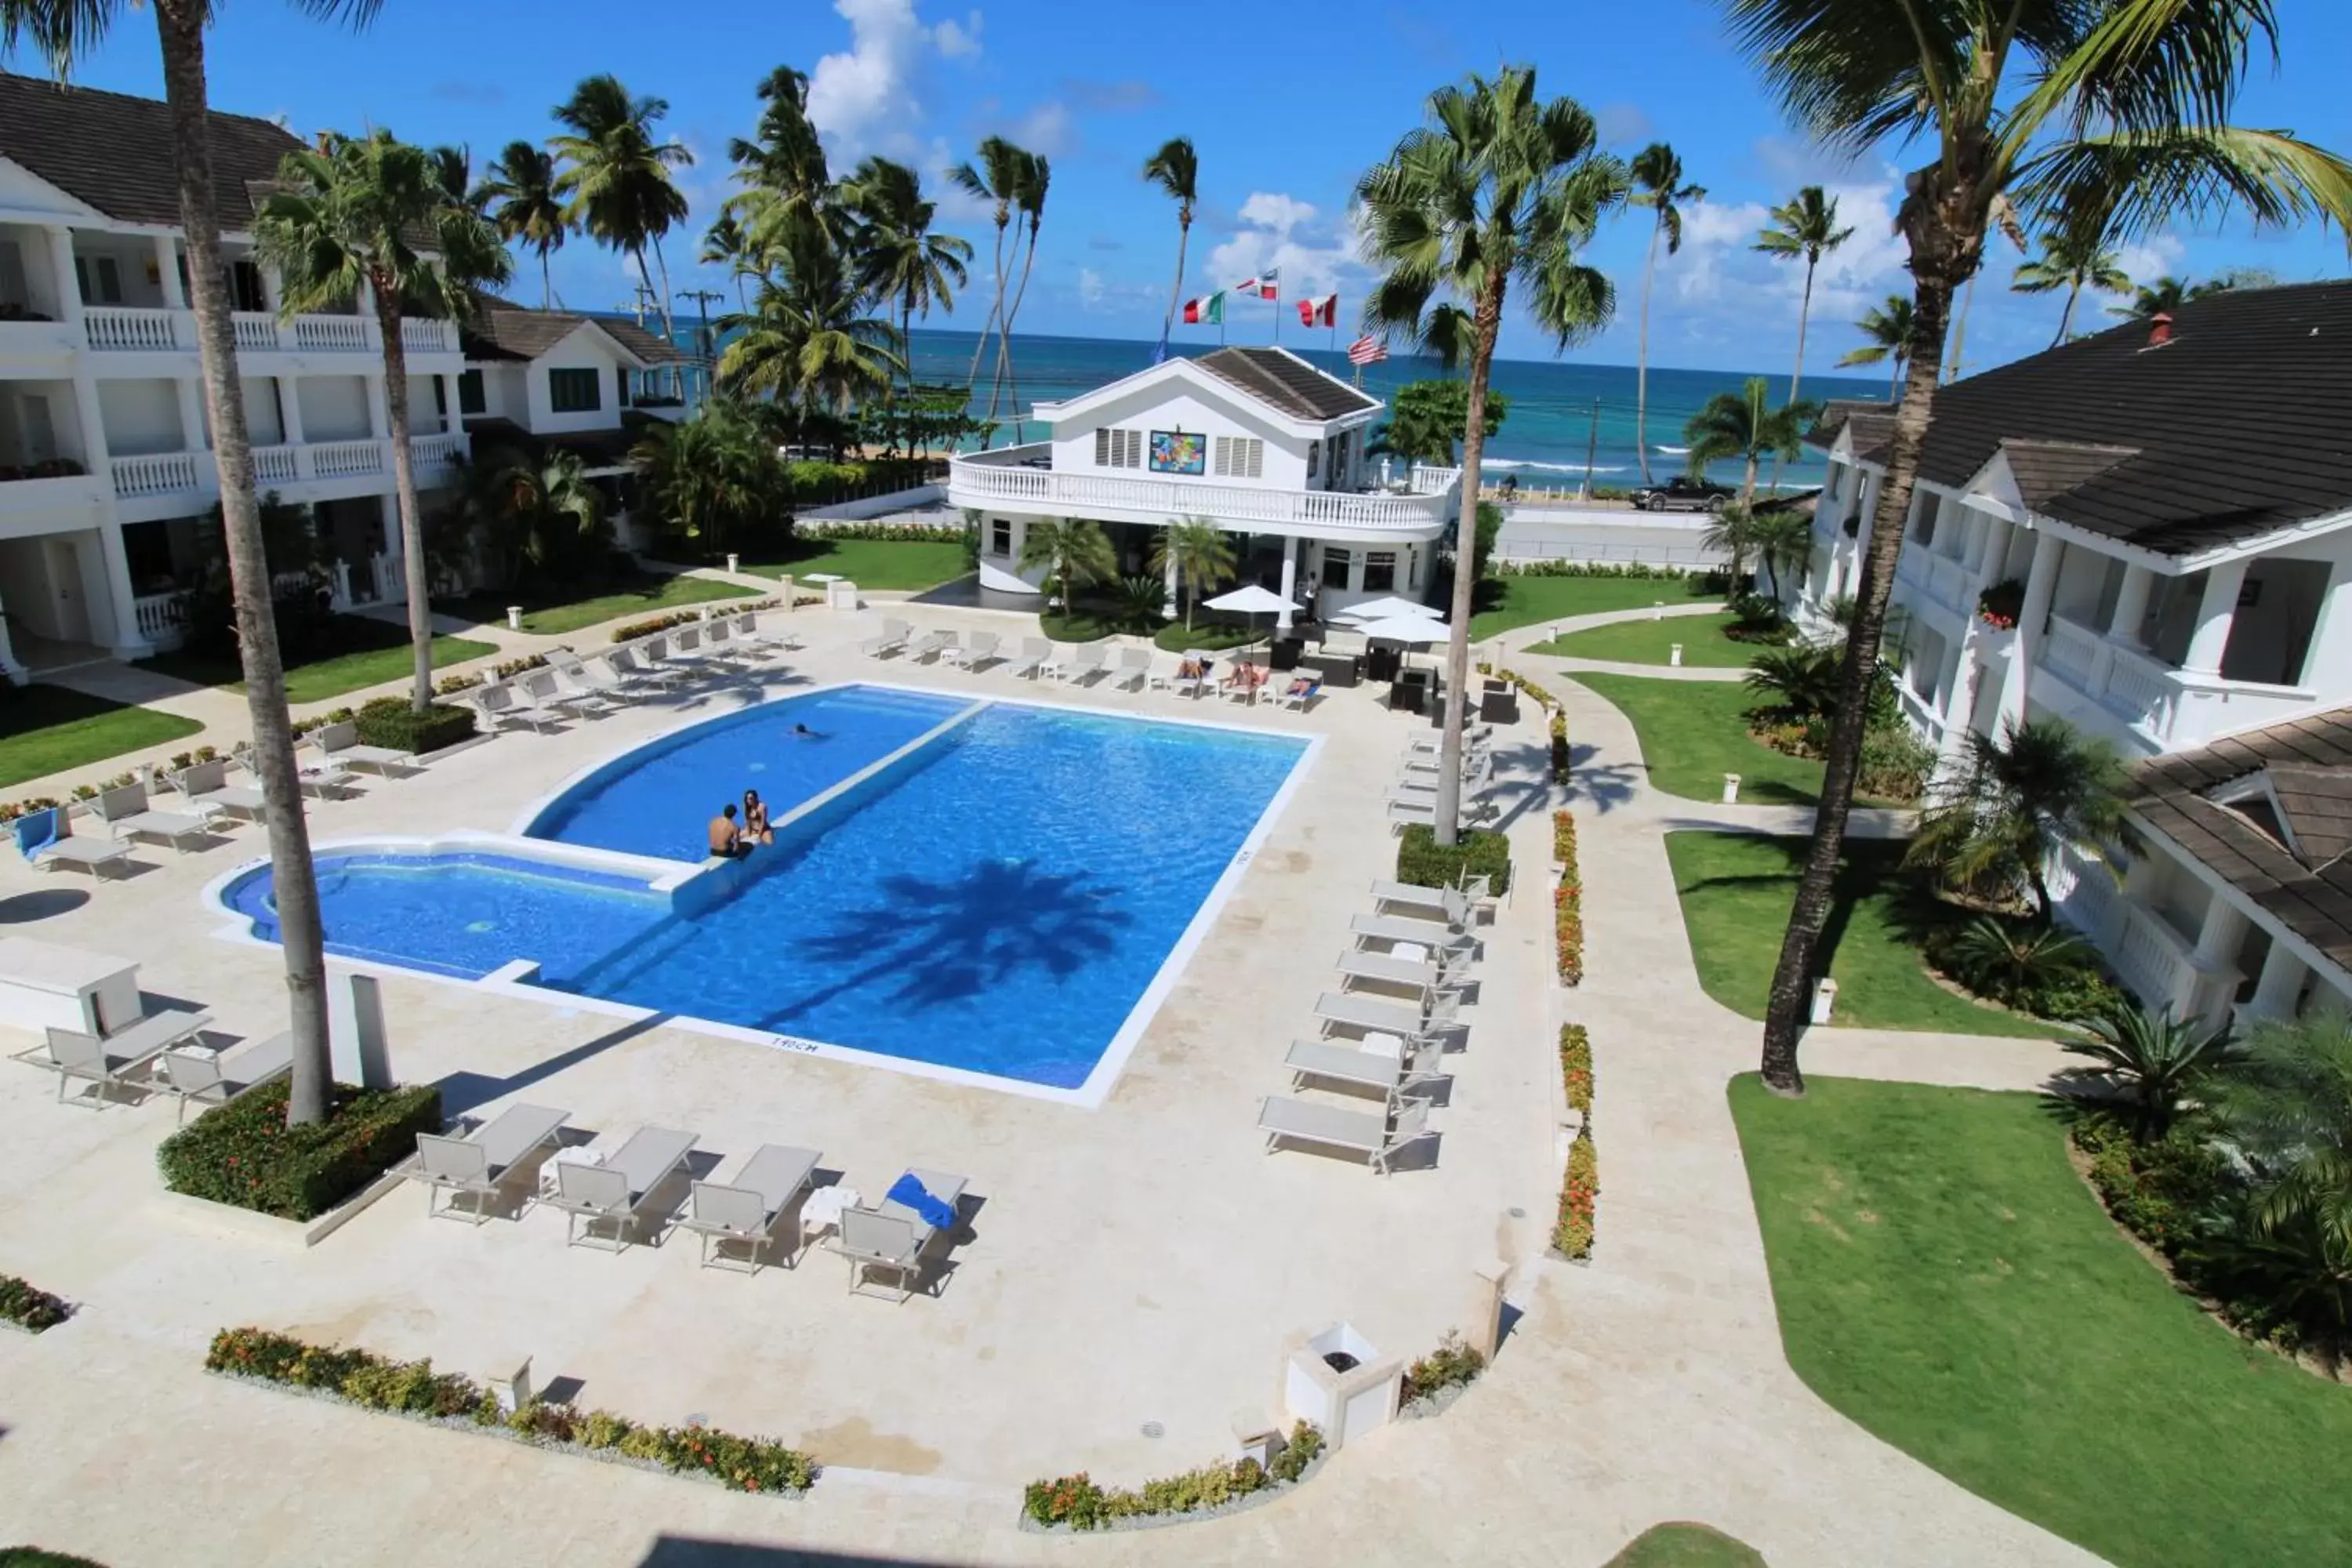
[(1287, 106)]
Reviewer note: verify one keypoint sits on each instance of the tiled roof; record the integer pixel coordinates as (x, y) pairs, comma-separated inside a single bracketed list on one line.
[(503, 329), (1283, 380), (650, 347), (2309, 762), (1873, 424), (114, 152), (2240, 425)]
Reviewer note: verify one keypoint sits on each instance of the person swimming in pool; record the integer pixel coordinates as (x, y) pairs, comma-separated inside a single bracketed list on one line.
[(802, 733), (755, 820)]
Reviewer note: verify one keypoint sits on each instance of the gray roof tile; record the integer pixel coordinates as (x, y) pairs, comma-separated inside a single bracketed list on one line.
[(114, 152)]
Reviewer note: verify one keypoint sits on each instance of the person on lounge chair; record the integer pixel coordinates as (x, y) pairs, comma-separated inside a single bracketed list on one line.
[(1300, 686), (755, 820), (1192, 669), (726, 838)]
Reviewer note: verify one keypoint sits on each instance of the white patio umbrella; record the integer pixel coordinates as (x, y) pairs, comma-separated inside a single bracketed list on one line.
[(1250, 600), (1385, 608), (1413, 631)]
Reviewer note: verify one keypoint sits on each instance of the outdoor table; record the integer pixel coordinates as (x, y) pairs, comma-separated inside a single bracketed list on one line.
[(43, 985)]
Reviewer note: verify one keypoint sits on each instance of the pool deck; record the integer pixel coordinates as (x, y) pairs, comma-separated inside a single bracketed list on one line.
[(1145, 1261)]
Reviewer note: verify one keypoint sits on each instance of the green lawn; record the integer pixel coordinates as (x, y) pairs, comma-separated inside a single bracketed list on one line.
[(1648, 642), (1946, 1279), (1736, 891), (47, 729), (1695, 732), (378, 651), (1508, 602), (1685, 1546), (554, 610), (888, 565)]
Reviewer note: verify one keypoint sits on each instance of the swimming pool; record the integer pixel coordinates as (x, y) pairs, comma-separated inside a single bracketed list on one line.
[(998, 900)]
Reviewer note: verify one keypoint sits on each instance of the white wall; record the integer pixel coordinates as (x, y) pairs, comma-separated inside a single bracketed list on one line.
[(585, 349), (1171, 406), (262, 426), (38, 422), (53, 602), (334, 407), (134, 261), (424, 410), (28, 263), (141, 414)]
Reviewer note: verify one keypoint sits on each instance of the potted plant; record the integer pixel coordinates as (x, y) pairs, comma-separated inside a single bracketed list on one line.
[(2000, 605)]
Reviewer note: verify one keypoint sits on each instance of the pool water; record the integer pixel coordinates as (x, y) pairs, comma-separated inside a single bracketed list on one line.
[(997, 901)]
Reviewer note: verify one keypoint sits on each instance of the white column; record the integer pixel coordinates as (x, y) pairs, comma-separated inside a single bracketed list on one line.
[(454, 419), (379, 407), (9, 668), (167, 271), (2221, 932), (1168, 604), (2215, 612), (290, 408), (2131, 605), (2040, 583), (1992, 546), (1289, 584), (61, 262), (128, 642), (2280, 985), (193, 437)]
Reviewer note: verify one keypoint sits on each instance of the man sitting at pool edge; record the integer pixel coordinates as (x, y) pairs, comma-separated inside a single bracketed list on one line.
[(726, 841)]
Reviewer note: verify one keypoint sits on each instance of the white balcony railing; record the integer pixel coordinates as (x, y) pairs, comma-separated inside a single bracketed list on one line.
[(256, 331), (1948, 583), (345, 459), (277, 465), (1008, 477), (2072, 652), (433, 454), (426, 337), (163, 619), (331, 334), (118, 326), (158, 474)]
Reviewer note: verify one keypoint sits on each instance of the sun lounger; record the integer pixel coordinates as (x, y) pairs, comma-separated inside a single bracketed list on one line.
[(206, 786), (216, 1079), (539, 686), (44, 839), (973, 653), (718, 641), (1374, 1137), (892, 1236), (929, 644), (1091, 659), (1134, 669), (1405, 810), (1452, 949), (1430, 745), (1298, 702), (124, 809), (765, 640), (323, 781), (1368, 1015), (612, 1192), (1448, 904), (1419, 976), (1384, 1065), (1034, 652), (892, 639), (1204, 668), (104, 1063), (477, 1164), (682, 653), (637, 668), (1242, 683), (501, 708), (341, 743), (1474, 758), (745, 1208)]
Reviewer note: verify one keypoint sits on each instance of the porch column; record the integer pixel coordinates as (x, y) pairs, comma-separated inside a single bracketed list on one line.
[(1992, 546), (379, 407), (2131, 605), (1289, 585), (10, 670), (167, 271), (2215, 612), (1167, 601), (2280, 985), (454, 420), (2218, 940), (2041, 584), (61, 259), (289, 410), (194, 436), (128, 642)]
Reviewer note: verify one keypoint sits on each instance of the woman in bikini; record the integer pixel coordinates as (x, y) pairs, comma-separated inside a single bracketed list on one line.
[(755, 819)]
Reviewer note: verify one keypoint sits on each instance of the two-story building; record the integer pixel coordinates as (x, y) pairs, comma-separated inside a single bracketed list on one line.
[(1257, 441), (106, 463), (2149, 533)]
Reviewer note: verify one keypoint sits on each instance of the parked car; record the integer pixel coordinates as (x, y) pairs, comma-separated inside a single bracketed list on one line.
[(1682, 493)]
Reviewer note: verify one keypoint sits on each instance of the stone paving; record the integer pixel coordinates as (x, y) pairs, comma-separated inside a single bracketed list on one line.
[(1140, 1261)]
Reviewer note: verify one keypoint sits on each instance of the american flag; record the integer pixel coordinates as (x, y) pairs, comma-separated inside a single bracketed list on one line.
[(1367, 350)]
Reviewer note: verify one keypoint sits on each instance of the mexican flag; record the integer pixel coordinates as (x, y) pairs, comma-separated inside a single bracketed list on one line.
[(1210, 308)]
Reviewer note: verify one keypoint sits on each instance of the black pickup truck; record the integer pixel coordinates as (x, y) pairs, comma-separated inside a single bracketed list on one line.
[(1682, 493)]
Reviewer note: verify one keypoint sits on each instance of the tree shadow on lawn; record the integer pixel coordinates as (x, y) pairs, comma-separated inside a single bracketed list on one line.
[(1863, 871)]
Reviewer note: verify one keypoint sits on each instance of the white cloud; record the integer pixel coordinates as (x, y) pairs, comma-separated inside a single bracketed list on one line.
[(1091, 287), (1282, 214), (2159, 255), (863, 99), (1718, 255), (958, 42), (1047, 129), (1277, 230)]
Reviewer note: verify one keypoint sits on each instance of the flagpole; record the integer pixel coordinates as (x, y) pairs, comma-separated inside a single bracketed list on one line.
[(1277, 313)]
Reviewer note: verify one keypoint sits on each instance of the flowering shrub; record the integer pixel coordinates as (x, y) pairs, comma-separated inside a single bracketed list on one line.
[(413, 1387), (1560, 753), (29, 1308), (630, 631), (2000, 604), (1579, 1193), (1451, 1363), (894, 533), (1568, 901), (1081, 1503), (16, 808), (1576, 1066), (242, 1154)]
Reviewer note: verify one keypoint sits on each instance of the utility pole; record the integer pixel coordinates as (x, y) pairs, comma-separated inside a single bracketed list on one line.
[(710, 356), (1591, 450)]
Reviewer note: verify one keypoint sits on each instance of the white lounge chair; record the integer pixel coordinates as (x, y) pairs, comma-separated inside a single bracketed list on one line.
[(610, 1193), (1194, 684), (1243, 682), (1452, 949), (1092, 659), (744, 1208), (124, 809), (540, 687), (1450, 905), (892, 1237), (1366, 1016), (929, 644), (206, 786), (477, 1164), (1134, 669), (892, 639), (1382, 1063), (216, 1079), (599, 679), (41, 838), (1405, 810), (766, 639), (1373, 1137), (501, 707), (1475, 759), (1034, 652), (104, 1063), (1478, 735), (973, 654), (1056, 662), (635, 666), (1417, 976), (681, 653), (341, 743)]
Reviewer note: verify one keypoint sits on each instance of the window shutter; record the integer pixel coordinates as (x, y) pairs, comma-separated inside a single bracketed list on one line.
[(1103, 458), (1255, 451)]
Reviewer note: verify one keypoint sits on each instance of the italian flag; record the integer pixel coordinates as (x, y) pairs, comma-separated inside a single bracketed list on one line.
[(1209, 309)]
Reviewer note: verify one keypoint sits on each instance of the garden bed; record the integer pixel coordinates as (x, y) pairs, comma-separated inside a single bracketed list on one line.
[(1074, 1504), (29, 1308), (244, 1155)]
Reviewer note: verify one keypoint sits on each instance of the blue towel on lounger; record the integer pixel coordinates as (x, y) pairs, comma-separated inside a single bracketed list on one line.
[(35, 831), (911, 1193)]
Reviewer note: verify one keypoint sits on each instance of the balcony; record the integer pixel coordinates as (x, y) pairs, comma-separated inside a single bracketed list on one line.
[(118, 329), (2156, 962), (192, 479), (1020, 478), (428, 337), (114, 329), (163, 474), (2150, 706), (331, 334), (431, 457), (345, 459)]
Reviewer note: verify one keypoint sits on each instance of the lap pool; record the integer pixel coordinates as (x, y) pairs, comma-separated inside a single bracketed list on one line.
[(997, 897)]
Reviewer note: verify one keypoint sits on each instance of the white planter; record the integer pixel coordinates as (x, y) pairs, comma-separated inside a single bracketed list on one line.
[(1340, 1381)]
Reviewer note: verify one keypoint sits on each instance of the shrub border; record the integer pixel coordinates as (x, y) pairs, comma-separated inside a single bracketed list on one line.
[(29, 1308), (1078, 1496), (1568, 901)]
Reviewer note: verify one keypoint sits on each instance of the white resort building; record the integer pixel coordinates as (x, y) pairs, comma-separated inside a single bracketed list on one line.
[(1256, 440), (2149, 533)]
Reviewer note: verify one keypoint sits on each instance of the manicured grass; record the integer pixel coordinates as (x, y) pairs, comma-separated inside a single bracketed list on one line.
[(1695, 732), (47, 729), (1649, 642), (1685, 1546), (1737, 889), (374, 652), (1507, 602), (1944, 1278), (553, 610), (888, 565)]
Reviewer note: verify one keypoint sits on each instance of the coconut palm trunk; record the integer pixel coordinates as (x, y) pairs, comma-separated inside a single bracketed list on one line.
[(1804, 317), (180, 25), (1942, 251), (1486, 323), (2066, 317), (1004, 376), (669, 324), (971, 381), (404, 484), (1176, 289), (1641, 355)]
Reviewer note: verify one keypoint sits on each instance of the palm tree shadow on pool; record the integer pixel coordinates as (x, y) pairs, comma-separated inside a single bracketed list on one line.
[(952, 940)]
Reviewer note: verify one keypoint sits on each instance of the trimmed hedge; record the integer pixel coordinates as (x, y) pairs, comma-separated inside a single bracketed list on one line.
[(395, 721), (1079, 1503), (1480, 852), (1568, 901), (414, 1388), (1576, 1067), (242, 1154), (32, 1309)]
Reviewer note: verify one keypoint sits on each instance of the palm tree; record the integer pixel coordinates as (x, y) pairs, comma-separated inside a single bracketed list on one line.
[(343, 224), (2153, 1061), (1804, 226), (618, 175), (517, 194), (782, 168), (1782, 538), (1744, 425), (709, 477), (2072, 262), (2016, 801), (1075, 551), (1498, 185), (1201, 554), (807, 336), (1890, 328), (1658, 184), (2168, 294), (726, 243), (1030, 201), (2285, 1111), (2064, 109), (541, 512), (454, 168), (1176, 170), (1800, 677), (998, 178), (901, 257)]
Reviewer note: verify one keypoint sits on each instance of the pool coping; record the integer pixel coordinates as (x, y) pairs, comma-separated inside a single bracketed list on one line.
[(512, 979)]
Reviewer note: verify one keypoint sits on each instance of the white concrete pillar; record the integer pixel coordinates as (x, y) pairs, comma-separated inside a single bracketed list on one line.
[(378, 406), (167, 271), (2282, 982), (61, 262), (1289, 585), (193, 437), (2215, 612), (128, 642), (2040, 583), (1168, 602), (2221, 932), (96, 453), (289, 409), (10, 670), (2131, 605), (454, 417), (1991, 547)]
